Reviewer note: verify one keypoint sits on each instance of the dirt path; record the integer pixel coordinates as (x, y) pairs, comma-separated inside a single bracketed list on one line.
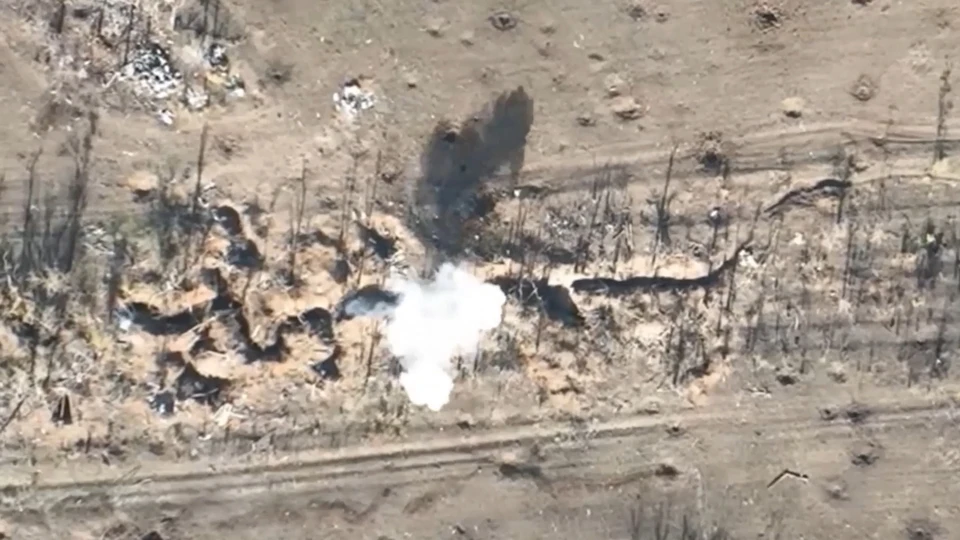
[(853, 466)]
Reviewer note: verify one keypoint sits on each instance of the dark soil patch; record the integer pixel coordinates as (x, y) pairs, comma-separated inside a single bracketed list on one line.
[(449, 205)]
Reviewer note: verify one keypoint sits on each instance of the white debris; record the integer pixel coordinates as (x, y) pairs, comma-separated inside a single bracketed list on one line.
[(195, 98), (124, 318), (352, 99), (235, 87), (166, 117), (150, 69), (216, 57)]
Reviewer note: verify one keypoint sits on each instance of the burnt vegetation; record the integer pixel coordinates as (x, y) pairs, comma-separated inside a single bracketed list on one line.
[(64, 277), (571, 266)]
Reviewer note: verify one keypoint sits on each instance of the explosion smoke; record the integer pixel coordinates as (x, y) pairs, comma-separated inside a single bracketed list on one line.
[(433, 323)]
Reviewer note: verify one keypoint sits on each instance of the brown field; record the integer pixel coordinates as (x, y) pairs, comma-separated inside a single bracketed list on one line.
[(728, 232)]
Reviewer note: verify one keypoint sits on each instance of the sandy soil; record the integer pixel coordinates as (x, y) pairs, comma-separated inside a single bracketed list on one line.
[(782, 174)]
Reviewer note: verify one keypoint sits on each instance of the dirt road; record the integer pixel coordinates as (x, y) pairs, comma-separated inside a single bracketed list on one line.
[(873, 471)]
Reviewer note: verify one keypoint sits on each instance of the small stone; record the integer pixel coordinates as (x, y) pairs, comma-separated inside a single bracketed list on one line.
[(166, 117), (651, 406), (434, 26), (864, 88), (626, 108), (410, 80), (837, 372), (142, 182), (613, 84), (586, 120), (467, 38), (793, 107)]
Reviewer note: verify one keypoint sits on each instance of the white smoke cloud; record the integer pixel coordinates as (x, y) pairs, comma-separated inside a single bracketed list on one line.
[(436, 321)]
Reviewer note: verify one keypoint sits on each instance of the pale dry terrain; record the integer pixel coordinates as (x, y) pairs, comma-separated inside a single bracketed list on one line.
[(728, 233)]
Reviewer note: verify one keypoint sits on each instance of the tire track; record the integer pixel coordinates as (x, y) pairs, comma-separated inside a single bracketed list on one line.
[(441, 459), (754, 152)]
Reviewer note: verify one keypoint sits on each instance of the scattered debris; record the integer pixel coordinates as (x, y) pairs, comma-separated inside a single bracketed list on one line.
[(216, 57), (234, 87), (195, 99), (166, 117), (352, 99), (152, 71)]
